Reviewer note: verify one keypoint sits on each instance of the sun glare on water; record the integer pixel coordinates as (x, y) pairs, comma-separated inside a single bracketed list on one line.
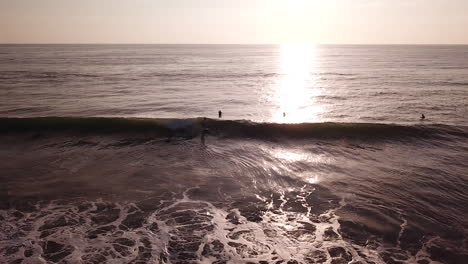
[(286, 158), (295, 90)]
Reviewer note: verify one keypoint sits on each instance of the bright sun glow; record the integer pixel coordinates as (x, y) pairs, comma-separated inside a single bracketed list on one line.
[(295, 90), (295, 7)]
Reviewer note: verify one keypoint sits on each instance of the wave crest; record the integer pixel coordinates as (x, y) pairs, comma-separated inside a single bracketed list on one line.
[(231, 128)]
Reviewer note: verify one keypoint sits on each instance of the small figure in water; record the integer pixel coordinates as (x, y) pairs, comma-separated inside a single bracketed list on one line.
[(423, 116), (220, 114), (284, 114), (204, 131)]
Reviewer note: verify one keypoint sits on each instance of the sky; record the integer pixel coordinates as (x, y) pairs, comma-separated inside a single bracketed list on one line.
[(235, 21)]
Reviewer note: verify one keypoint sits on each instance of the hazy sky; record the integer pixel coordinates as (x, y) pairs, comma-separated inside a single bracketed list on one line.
[(236, 21)]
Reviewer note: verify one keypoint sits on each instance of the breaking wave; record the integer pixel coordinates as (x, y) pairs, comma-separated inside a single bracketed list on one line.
[(234, 128), (113, 190)]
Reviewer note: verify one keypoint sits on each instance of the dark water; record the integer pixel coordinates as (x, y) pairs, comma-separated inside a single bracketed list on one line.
[(111, 190)]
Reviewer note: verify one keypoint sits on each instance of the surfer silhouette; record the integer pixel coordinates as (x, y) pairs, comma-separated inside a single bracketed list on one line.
[(423, 117), (204, 131), (220, 114)]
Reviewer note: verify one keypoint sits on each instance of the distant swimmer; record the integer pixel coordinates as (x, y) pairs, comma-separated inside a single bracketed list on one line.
[(423, 117), (220, 114), (284, 114)]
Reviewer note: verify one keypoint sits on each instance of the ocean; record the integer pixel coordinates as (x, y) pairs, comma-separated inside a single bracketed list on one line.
[(320, 155)]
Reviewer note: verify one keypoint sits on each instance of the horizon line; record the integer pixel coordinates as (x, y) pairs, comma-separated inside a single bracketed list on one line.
[(251, 44)]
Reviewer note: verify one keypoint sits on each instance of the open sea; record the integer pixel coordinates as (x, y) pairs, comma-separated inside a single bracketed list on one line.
[(320, 155)]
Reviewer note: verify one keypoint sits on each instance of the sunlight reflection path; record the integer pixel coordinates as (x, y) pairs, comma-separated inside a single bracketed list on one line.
[(295, 92)]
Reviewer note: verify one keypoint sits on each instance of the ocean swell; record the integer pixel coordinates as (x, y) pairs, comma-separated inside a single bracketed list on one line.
[(233, 128)]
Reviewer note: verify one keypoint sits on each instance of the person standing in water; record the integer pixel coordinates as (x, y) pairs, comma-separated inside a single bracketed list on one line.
[(204, 131), (220, 114)]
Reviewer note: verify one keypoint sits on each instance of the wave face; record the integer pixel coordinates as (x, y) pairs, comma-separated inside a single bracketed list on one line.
[(233, 128), (98, 190)]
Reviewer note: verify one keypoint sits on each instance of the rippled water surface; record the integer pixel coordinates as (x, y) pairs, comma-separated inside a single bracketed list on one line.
[(322, 83)]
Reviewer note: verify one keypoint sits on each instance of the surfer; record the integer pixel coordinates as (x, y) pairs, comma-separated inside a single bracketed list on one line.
[(204, 131), (220, 114), (423, 116)]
